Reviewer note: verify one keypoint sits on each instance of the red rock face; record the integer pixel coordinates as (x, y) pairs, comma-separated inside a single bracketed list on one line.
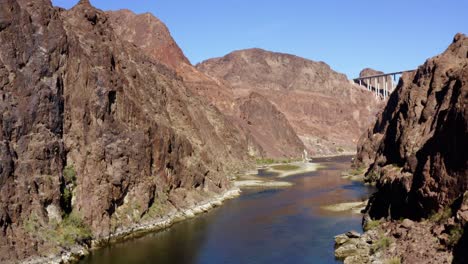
[(76, 98), (269, 127), (326, 110), (149, 34), (417, 148), (264, 138)]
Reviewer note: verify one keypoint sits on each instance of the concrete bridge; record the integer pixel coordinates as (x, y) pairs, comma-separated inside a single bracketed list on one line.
[(381, 84)]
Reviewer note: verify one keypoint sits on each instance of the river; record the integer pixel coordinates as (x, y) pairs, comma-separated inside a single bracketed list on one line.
[(261, 226)]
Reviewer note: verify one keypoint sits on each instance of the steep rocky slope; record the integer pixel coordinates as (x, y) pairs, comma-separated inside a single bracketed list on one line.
[(416, 153), (326, 110), (272, 138), (149, 34), (272, 126), (96, 137)]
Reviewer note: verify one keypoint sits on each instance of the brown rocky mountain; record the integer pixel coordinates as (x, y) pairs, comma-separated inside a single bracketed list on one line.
[(416, 153), (327, 111), (264, 139), (266, 124), (96, 137), (149, 34)]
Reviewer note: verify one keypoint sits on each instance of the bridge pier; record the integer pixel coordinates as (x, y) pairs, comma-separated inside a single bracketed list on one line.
[(384, 87)]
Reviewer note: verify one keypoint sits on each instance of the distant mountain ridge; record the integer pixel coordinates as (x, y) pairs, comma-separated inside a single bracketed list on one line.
[(327, 111), (151, 36)]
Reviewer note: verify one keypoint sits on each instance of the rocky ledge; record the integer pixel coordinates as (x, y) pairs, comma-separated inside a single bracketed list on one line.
[(402, 241)]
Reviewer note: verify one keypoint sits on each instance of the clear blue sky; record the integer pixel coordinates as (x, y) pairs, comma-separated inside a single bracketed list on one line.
[(348, 35)]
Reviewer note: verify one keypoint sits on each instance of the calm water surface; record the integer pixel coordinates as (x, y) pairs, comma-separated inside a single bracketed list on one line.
[(261, 226)]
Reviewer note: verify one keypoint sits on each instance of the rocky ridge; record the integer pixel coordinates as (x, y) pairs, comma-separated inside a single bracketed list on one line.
[(327, 111), (265, 139), (415, 153)]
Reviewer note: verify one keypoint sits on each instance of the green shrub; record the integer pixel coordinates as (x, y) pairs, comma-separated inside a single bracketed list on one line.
[(72, 229), (157, 209), (372, 224), (69, 174), (441, 215), (381, 244), (31, 224), (358, 171), (67, 196), (455, 235), (372, 176)]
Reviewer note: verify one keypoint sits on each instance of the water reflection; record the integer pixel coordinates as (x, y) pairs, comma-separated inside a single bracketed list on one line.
[(267, 226)]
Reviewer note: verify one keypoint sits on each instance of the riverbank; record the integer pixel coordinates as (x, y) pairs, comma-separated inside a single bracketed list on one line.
[(293, 168), (397, 241), (263, 225), (77, 252)]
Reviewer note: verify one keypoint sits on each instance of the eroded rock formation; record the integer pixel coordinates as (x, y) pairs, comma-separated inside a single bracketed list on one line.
[(270, 136), (327, 111), (417, 145), (96, 136), (416, 154)]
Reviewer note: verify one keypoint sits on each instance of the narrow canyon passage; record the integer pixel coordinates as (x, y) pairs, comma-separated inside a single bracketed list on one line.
[(261, 226)]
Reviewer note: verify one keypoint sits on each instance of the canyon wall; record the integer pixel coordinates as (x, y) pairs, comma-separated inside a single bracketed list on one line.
[(327, 111), (417, 146), (96, 136), (270, 135)]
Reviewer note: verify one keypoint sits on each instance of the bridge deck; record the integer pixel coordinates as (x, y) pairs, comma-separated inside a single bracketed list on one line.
[(381, 75)]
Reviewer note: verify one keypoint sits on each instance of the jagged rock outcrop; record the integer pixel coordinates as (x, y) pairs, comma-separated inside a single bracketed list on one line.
[(326, 110), (149, 34), (95, 135), (417, 144), (416, 153), (276, 139)]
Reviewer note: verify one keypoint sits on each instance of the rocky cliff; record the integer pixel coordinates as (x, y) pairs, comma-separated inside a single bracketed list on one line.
[(326, 110), (416, 153), (96, 137), (270, 135), (149, 34)]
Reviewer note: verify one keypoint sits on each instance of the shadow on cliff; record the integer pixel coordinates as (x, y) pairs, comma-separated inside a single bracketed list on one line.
[(460, 253)]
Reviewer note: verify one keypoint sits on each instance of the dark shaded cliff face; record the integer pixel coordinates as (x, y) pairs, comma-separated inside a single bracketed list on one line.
[(327, 111), (273, 138), (417, 148), (93, 129)]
